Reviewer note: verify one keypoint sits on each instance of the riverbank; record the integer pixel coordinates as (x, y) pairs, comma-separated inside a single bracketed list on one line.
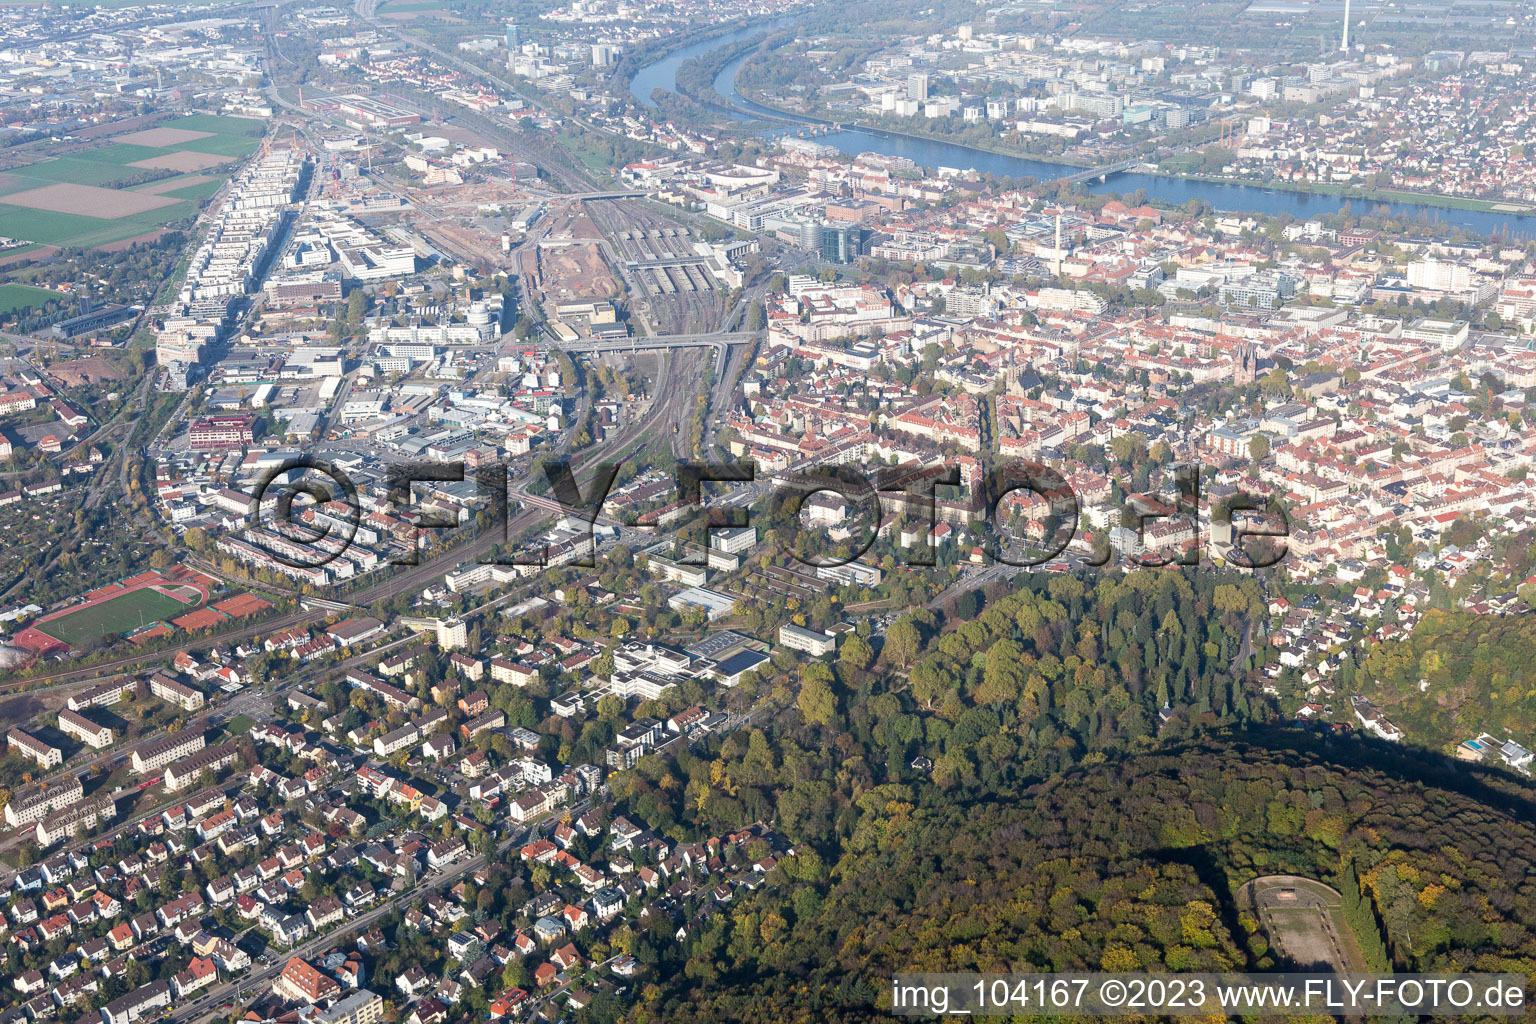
[(994, 146), (825, 118), (699, 85), (1365, 194), (1300, 200), (1070, 162), (658, 68)]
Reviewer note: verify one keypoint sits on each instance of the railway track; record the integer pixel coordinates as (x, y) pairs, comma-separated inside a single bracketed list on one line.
[(662, 414)]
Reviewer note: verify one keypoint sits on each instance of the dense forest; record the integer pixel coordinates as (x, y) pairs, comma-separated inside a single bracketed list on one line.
[(1457, 675), (990, 691), (1127, 865), (1064, 774), (1032, 679)]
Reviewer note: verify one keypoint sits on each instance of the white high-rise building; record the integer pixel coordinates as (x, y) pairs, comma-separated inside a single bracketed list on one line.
[(1439, 276), (452, 633), (917, 86)]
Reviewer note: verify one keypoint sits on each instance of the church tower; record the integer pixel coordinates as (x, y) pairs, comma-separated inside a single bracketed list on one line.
[(1245, 369)]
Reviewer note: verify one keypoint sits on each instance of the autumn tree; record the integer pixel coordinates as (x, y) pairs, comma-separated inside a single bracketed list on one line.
[(855, 654), (817, 701), (903, 642)]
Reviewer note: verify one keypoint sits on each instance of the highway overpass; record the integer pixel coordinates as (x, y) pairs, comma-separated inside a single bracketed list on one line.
[(660, 342), (610, 194)]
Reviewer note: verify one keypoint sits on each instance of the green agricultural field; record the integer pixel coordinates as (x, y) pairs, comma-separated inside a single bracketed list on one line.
[(44, 225), (15, 183), (19, 296), (121, 154), (90, 167), (119, 615), (161, 185), (231, 146), (53, 228), (201, 190), (235, 126), (231, 139), (70, 170), (113, 231), (183, 186)]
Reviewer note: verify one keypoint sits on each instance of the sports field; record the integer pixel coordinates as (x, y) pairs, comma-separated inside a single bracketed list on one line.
[(118, 615), (89, 197)]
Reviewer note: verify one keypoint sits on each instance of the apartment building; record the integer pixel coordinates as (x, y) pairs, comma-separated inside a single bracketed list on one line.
[(514, 672), (360, 1007), (173, 691), (398, 739), (72, 723), (24, 743), (33, 805), (142, 1002), (387, 692), (157, 754), (300, 982), (187, 770), (74, 819), (101, 696), (200, 973), (492, 719)]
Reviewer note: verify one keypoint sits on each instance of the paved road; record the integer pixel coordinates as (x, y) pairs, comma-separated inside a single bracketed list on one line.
[(408, 578), (214, 998), (255, 701)]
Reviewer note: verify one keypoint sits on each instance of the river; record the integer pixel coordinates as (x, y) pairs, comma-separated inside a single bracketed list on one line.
[(1165, 189), (663, 73)]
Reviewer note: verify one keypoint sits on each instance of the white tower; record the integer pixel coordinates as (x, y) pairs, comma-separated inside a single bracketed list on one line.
[(1345, 44)]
